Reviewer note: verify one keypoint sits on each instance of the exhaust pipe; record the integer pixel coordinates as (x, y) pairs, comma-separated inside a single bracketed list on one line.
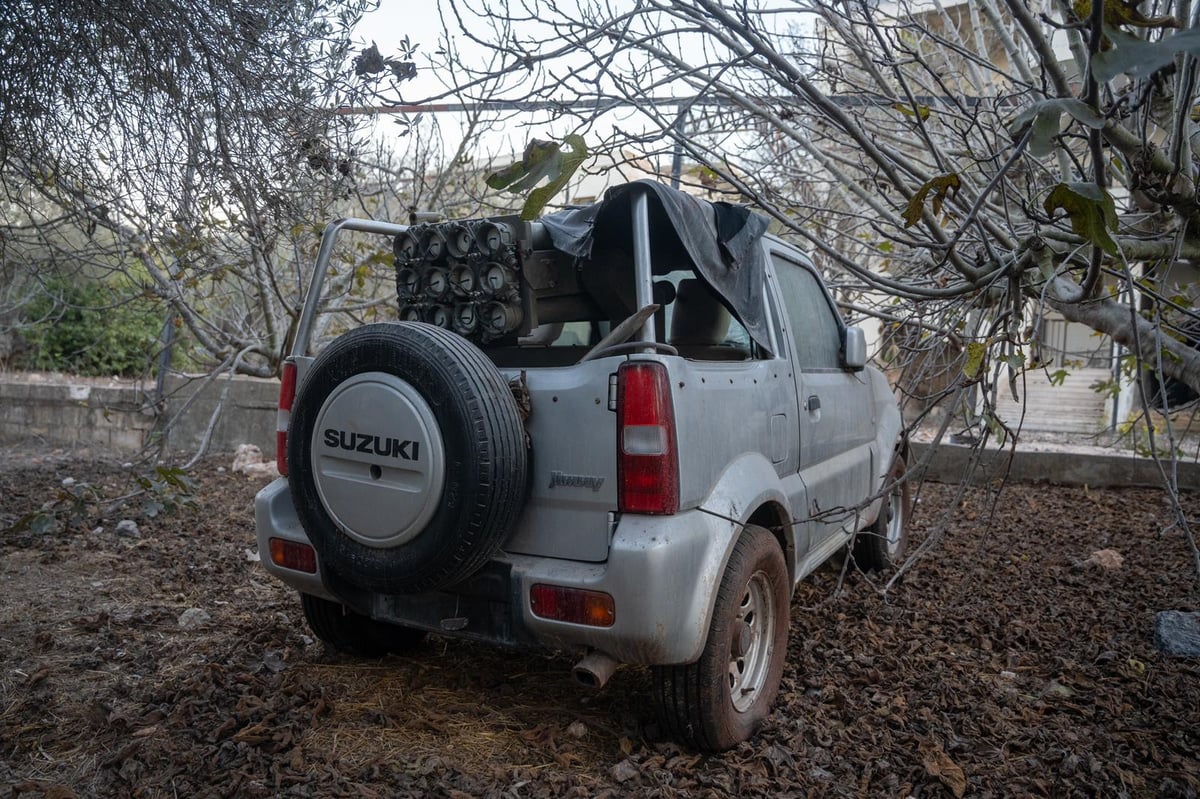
[(594, 669)]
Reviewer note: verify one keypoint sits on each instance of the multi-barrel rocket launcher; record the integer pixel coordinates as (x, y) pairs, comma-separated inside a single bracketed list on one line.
[(485, 279)]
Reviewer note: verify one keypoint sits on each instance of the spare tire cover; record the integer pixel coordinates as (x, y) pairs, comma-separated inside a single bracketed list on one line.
[(406, 456)]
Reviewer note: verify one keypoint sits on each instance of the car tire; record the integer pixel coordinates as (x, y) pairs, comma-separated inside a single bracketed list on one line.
[(882, 545), (354, 634), (371, 529), (720, 700)]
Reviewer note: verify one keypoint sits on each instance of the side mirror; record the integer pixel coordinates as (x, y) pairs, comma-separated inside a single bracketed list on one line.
[(855, 352)]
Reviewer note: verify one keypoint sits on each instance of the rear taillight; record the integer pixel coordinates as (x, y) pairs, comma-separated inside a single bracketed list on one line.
[(647, 460), (287, 395)]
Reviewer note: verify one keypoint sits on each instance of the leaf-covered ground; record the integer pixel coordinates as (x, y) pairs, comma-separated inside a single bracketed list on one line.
[(1002, 665)]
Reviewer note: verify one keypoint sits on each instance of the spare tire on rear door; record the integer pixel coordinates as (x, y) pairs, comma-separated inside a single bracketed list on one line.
[(406, 457)]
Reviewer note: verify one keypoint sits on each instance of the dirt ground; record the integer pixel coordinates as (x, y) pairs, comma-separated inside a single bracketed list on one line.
[(1002, 665)]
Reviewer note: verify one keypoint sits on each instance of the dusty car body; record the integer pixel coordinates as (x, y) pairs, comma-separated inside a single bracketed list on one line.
[(626, 430)]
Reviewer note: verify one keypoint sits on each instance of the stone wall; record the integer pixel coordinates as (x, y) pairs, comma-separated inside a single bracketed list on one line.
[(106, 415), (949, 462), (247, 416), (120, 415)]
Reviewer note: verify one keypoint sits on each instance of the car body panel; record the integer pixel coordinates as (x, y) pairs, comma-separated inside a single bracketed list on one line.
[(767, 440)]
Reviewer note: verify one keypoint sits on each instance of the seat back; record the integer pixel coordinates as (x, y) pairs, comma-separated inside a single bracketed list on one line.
[(700, 323)]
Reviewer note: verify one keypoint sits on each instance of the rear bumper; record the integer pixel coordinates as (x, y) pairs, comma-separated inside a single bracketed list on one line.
[(662, 572)]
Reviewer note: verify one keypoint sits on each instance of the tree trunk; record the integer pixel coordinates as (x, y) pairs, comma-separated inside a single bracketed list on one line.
[(1129, 329)]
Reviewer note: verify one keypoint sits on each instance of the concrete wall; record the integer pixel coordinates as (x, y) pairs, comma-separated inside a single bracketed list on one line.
[(247, 414), (120, 416), (94, 414), (108, 415), (950, 462)]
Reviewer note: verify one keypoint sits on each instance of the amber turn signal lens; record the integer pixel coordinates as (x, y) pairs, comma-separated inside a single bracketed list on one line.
[(593, 608), (293, 555)]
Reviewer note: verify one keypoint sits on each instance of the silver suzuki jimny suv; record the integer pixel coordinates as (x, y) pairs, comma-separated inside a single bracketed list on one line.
[(625, 430)]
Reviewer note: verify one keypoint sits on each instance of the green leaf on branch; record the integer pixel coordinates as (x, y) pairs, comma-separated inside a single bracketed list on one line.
[(1123, 12), (37, 522), (940, 185), (1139, 58), (542, 160), (1091, 210), (995, 427), (921, 111), (1045, 119), (975, 353)]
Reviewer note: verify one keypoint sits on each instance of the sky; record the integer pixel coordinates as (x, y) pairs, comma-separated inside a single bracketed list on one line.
[(396, 19), (420, 22)]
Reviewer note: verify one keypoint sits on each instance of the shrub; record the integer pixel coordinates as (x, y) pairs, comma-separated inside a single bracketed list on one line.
[(90, 328)]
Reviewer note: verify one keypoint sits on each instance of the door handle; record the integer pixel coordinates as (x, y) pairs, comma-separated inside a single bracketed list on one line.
[(813, 404)]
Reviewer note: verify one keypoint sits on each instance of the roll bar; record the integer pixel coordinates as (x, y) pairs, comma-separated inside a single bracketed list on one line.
[(321, 268), (641, 260)]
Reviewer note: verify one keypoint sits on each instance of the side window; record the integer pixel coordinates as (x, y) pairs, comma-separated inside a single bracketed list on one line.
[(815, 334), (698, 323)]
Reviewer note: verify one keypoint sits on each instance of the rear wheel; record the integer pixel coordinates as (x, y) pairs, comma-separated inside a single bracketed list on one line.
[(882, 545), (353, 633), (720, 700)]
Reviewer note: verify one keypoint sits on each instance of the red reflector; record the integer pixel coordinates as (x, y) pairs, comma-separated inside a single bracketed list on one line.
[(293, 555), (287, 395), (593, 608), (287, 386), (647, 460), (281, 452)]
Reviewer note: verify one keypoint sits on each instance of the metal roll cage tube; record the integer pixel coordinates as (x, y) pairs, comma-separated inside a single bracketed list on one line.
[(641, 262), (321, 267), (641, 259)]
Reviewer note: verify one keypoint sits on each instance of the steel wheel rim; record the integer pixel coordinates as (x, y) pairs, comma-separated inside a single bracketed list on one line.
[(895, 524), (748, 671)]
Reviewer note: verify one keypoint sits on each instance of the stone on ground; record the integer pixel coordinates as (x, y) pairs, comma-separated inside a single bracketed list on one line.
[(1177, 633)]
